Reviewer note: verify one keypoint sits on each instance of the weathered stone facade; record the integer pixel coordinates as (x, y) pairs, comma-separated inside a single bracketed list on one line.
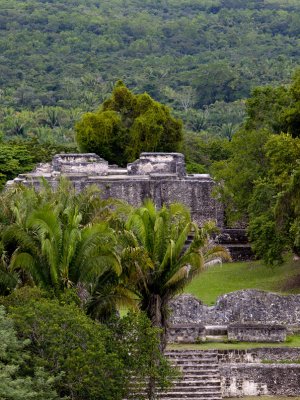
[(259, 355), (186, 333), (159, 176), (215, 374), (256, 333), (243, 306), (238, 380)]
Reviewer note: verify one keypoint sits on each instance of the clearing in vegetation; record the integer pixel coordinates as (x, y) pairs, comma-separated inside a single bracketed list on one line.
[(230, 277)]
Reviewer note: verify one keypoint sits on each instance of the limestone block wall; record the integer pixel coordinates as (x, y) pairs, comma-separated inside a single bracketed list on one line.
[(150, 163), (243, 306), (80, 163), (257, 333), (258, 355), (238, 380), (186, 333), (159, 176)]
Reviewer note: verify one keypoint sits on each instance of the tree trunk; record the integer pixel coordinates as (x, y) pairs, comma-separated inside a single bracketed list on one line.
[(154, 312)]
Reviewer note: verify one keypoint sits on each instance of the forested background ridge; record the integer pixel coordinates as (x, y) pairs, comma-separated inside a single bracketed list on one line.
[(188, 54)]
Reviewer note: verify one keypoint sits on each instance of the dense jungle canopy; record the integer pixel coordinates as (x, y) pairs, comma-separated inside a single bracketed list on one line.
[(184, 53)]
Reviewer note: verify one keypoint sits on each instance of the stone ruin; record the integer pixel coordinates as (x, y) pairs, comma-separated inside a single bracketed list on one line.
[(244, 315), (160, 176)]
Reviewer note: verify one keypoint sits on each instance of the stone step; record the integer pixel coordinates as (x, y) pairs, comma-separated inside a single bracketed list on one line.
[(196, 361), (197, 382), (195, 375), (190, 395), (200, 374), (195, 388), (196, 365), (199, 397), (192, 357), (190, 352), (206, 396)]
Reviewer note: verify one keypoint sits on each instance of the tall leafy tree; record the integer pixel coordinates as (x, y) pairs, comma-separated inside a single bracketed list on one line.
[(127, 124)]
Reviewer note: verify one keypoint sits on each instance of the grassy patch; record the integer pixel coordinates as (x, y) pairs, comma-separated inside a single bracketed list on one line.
[(218, 280), (294, 341)]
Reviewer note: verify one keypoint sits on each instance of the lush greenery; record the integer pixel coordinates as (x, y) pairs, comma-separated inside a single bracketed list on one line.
[(94, 361), (217, 280), (67, 53), (89, 256), (127, 124), (17, 380), (261, 175), (61, 59), (160, 237)]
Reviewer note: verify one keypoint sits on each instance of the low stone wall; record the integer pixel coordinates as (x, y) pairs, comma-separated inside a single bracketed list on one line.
[(258, 355), (260, 379), (243, 306), (186, 333), (256, 333)]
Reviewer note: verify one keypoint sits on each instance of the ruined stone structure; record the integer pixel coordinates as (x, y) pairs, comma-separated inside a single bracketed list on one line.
[(160, 176), (256, 333), (216, 374), (243, 306)]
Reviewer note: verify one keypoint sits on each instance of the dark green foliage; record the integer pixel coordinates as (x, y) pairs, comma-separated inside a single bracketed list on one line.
[(68, 53), (20, 156), (14, 160), (96, 361), (260, 176), (64, 340), (127, 124), (155, 254), (201, 151), (17, 380), (138, 346)]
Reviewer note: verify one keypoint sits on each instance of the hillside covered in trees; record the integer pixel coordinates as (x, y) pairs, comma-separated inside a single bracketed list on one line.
[(187, 54)]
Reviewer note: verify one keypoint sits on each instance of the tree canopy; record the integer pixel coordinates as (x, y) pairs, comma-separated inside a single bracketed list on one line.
[(261, 172), (127, 124)]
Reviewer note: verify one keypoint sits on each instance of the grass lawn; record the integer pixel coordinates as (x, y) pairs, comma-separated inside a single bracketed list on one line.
[(229, 277)]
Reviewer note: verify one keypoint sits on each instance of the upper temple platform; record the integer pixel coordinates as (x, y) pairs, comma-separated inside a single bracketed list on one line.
[(160, 176)]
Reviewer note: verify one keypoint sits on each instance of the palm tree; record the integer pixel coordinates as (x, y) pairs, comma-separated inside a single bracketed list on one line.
[(57, 237), (157, 263), (158, 260)]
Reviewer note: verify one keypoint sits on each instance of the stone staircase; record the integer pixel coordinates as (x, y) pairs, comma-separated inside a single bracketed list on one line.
[(200, 376)]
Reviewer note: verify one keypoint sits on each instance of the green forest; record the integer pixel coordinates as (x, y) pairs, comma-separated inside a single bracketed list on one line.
[(217, 80), (202, 58)]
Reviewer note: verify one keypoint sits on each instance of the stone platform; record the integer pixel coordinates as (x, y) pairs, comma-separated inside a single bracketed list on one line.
[(159, 176)]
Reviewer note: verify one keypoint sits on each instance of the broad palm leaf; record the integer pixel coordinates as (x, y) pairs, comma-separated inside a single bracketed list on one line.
[(55, 238)]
